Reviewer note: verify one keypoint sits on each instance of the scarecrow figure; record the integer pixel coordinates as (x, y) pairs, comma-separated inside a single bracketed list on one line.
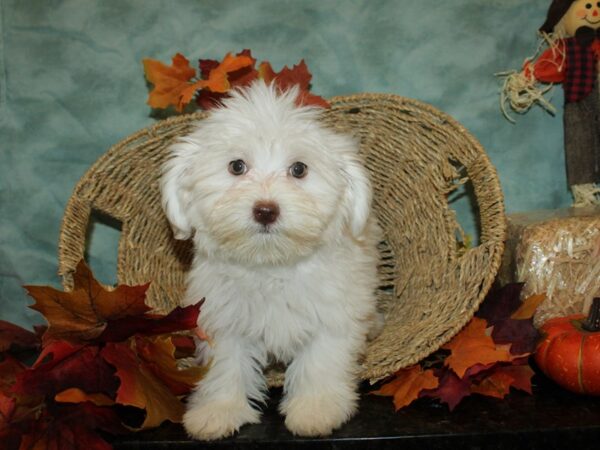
[(573, 56)]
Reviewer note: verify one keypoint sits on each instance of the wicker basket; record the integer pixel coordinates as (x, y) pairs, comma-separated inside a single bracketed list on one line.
[(416, 155)]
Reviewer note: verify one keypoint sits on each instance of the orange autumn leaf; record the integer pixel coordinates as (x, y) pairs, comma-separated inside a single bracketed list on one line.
[(408, 384), (474, 346), (76, 395), (237, 77), (178, 83), (170, 82), (140, 387), (245, 75), (158, 355), (83, 313), (528, 308), (499, 382), (218, 79), (188, 93)]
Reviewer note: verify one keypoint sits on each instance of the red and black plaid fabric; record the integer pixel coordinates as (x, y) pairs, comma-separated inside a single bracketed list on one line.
[(580, 73)]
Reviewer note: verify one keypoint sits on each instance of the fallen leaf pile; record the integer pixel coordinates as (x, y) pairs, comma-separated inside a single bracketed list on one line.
[(178, 84), (105, 363), (488, 357)]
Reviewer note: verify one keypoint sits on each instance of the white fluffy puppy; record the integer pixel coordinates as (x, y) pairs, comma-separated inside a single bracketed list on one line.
[(285, 253)]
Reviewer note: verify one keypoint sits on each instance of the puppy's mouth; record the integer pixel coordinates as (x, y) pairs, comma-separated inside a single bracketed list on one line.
[(266, 229)]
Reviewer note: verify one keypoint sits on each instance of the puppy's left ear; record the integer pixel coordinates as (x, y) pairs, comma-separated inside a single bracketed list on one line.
[(358, 196), (174, 198)]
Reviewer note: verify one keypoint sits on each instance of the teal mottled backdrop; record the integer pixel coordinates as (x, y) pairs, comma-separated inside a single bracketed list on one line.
[(71, 85)]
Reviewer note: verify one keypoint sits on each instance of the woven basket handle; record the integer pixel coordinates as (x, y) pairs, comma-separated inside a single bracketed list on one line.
[(488, 194), (74, 235)]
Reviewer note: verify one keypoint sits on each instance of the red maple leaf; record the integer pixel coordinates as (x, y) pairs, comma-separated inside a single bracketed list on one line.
[(72, 427), (180, 319), (10, 368), (208, 100), (451, 389), (520, 334), (205, 66), (62, 365), (13, 337), (148, 379), (501, 303), (518, 329), (107, 357), (102, 349), (16, 412), (287, 78)]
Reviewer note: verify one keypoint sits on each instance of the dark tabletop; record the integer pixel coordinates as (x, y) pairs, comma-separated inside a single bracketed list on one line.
[(552, 418)]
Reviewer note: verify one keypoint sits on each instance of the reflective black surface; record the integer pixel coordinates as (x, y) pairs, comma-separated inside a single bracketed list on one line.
[(550, 419)]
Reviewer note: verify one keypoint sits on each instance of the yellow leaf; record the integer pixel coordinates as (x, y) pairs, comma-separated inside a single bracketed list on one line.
[(266, 72), (528, 308)]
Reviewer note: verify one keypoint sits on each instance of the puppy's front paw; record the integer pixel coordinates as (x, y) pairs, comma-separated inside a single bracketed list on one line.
[(218, 419), (317, 415)]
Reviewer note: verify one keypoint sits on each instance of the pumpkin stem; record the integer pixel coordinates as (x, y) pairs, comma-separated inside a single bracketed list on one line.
[(592, 323)]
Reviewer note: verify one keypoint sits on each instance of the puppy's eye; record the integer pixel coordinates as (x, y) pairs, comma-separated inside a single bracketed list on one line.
[(237, 167), (298, 170)]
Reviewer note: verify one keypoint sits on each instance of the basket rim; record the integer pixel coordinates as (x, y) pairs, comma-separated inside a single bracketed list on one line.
[(494, 241)]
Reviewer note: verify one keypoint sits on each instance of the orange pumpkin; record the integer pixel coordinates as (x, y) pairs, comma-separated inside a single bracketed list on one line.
[(570, 351)]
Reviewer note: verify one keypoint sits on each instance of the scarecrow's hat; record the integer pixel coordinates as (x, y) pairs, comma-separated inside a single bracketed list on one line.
[(557, 10)]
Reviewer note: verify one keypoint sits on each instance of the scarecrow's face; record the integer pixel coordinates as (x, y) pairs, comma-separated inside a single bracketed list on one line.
[(581, 13)]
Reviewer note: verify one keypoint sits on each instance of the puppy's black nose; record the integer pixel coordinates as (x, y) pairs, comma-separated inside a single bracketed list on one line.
[(265, 213)]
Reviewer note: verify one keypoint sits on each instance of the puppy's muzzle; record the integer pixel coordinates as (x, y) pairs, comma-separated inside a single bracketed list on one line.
[(265, 213)]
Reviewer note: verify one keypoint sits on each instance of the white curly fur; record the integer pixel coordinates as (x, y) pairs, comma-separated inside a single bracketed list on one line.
[(299, 290)]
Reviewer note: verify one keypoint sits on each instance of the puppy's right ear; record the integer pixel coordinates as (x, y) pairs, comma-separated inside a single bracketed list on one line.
[(174, 198)]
